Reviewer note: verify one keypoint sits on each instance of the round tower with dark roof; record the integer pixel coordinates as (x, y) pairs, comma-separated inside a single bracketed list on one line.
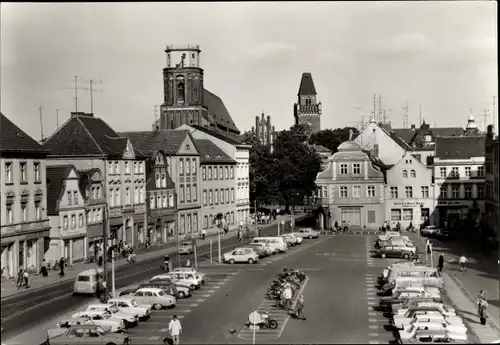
[(307, 110)]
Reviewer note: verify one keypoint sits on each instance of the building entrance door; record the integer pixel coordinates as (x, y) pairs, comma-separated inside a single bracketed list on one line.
[(351, 214)]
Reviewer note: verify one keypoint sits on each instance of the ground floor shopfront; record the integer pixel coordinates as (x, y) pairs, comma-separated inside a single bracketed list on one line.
[(242, 215), (72, 248), (23, 250), (130, 228), (188, 221), (451, 214), (359, 216), (417, 212), (161, 229)]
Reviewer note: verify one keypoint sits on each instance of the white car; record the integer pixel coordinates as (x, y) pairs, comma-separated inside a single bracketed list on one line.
[(400, 320), (186, 278), (433, 326), (429, 230), (202, 276), (241, 255), (156, 297), (269, 247), (269, 250), (298, 239), (130, 319), (101, 318), (445, 309), (439, 318), (129, 305), (307, 233)]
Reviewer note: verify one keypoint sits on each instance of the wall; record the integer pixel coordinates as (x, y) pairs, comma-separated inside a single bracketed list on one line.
[(373, 134)]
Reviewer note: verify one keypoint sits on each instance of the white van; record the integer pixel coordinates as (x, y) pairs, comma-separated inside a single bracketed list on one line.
[(277, 243), (87, 282)]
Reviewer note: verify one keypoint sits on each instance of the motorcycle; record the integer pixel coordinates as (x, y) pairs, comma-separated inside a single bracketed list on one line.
[(266, 321)]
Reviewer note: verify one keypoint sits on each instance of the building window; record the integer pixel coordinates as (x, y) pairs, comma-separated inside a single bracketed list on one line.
[(227, 196), (188, 166), (405, 173), (189, 229), (356, 191), (188, 193), (356, 168), (204, 198), (127, 168), (442, 172), (23, 172), (480, 171), (232, 194), (152, 202), (73, 221), (141, 167), (80, 220), (171, 199), (216, 196), (182, 193), (231, 174), (193, 168), (195, 192), (409, 192), (117, 167), (395, 215), (343, 169), (394, 192), (8, 172), (468, 191), (75, 197), (65, 222), (111, 198), (324, 190), (164, 201), (118, 197), (408, 214), (455, 192), (226, 172), (443, 192), (141, 195), (164, 180), (343, 191), (157, 180), (480, 192), (425, 191), (24, 211), (36, 169), (68, 198), (222, 196), (211, 221), (371, 191), (127, 196), (195, 222), (205, 222), (38, 211), (413, 174), (428, 138), (182, 229), (210, 197), (467, 171), (454, 172), (209, 173), (110, 167), (136, 168), (181, 166), (221, 173), (204, 173)]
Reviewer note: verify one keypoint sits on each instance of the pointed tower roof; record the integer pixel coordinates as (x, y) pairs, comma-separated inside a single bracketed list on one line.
[(307, 85)]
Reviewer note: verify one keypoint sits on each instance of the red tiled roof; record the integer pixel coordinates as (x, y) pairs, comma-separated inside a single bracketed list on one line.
[(14, 139), (460, 147), (211, 153)]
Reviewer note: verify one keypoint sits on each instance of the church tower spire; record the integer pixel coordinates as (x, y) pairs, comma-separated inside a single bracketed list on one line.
[(307, 110)]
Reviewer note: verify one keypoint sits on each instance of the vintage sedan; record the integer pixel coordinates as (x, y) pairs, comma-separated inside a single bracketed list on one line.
[(439, 318), (429, 231), (200, 275), (298, 239), (306, 233), (86, 334), (101, 318), (399, 296), (167, 278), (290, 241), (398, 251), (169, 288), (67, 323), (407, 317), (259, 249), (130, 319), (241, 255), (155, 297), (128, 304), (185, 278), (433, 326), (410, 303), (443, 308), (435, 337), (186, 248)]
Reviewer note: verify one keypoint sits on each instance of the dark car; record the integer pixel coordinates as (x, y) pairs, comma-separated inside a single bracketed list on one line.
[(396, 251), (444, 234)]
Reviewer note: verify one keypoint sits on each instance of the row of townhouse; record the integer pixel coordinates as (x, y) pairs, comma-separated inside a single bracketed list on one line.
[(149, 186), (442, 183)]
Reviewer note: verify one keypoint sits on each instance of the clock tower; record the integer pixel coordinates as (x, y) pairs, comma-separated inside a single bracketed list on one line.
[(307, 110)]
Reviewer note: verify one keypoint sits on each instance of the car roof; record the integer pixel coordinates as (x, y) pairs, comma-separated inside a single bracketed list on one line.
[(119, 299), (150, 289), (77, 319), (87, 325), (98, 305), (91, 271), (90, 312), (187, 243)]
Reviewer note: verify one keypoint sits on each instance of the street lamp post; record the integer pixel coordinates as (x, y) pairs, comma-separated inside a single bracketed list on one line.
[(218, 240)]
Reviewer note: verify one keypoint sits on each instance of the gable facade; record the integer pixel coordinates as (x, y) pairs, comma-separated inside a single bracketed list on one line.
[(373, 135)]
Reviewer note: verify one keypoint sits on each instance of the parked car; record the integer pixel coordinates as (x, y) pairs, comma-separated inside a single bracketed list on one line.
[(434, 326), (259, 249), (434, 336), (404, 252), (186, 278), (298, 239), (241, 255), (410, 303), (399, 296), (168, 279), (405, 316), (67, 323), (169, 288), (422, 319), (200, 275), (130, 319), (155, 297), (307, 233), (272, 249), (433, 306), (130, 305), (86, 334), (101, 318), (186, 248), (429, 231), (290, 242)]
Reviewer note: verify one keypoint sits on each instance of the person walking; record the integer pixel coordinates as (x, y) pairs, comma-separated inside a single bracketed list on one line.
[(19, 281), (482, 311), (166, 261), (43, 270), (440, 263), (26, 280), (61, 267), (300, 308), (188, 262), (175, 329), (462, 261), (287, 296), (203, 234)]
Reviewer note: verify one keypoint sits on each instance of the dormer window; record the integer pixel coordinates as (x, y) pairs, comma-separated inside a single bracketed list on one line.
[(188, 147)]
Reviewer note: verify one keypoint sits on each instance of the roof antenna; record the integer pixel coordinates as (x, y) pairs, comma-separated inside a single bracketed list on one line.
[(40, 108)]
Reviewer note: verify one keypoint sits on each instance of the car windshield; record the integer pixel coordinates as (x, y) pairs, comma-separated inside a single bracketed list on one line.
[(113, 309), (133, 303), (161, 293), (186, 244)]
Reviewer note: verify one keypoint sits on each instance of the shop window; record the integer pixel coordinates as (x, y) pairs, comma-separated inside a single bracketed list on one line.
[(395, 215), (370, 215), (408, 214)]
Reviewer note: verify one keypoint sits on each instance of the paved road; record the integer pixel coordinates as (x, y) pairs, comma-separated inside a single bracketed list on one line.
[(24, 311)]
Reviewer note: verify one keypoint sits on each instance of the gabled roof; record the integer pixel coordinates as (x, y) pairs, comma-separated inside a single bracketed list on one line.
[(14, 139), (168, 141), (230, 138), (83, 178), (56, 174), (86, 135), (211, 153), (406, 134), (447, 131), (460, 147), (216, 107), (306, 85)]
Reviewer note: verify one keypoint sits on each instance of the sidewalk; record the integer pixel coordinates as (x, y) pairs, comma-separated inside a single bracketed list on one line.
[(9, 287), (464, 287)]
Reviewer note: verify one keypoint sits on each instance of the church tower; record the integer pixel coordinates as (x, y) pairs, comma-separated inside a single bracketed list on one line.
[(182, 87), (307, 110)]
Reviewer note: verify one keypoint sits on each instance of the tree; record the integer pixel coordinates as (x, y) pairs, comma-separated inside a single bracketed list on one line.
[(263, 179), (332, 138)]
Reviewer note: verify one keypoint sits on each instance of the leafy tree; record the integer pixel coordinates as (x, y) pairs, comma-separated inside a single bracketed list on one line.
[(248, 138), (418, 141), (332, 138), (263, 179)]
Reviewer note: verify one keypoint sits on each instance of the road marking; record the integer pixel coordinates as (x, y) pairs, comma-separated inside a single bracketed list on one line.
[(206, 295), (371, 303), (154, 338), (199, 300), (373, 326), (293, 307), (185, 311), (194, 305), (211, 291), (372, 313), (373, 334), (371, 298), (368, 288), (163, 330), (216, 287), (373, 342)]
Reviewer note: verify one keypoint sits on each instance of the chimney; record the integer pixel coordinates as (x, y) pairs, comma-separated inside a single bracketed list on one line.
[(77, 113), (413, 127)]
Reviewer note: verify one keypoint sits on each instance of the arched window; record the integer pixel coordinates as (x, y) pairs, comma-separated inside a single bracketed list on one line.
[(405, 173), (180, 88), (413, 174), (159, 159)]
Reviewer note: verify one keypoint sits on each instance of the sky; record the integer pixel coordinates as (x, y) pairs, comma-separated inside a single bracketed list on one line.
[(437, 56)]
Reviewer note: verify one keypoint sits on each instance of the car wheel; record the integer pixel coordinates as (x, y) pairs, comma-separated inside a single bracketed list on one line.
[(231, 261), (110, 344), (250, 261), (310, 237), (126, 323), (181, 294), (193, 287), (383, 256), (157, 306), (406, 256)]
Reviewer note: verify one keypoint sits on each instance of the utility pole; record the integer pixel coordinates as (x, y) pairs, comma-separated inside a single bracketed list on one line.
[(485, 117), (75, 88), (420, 115), (57, 119), (375, 107), (380, 108), (40, 108), (92, 82)]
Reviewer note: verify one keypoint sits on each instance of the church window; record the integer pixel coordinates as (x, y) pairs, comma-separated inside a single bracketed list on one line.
[(180, 89)]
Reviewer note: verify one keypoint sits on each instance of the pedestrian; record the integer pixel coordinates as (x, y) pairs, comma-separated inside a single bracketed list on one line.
[(440, 263), (26, 280), (462, 261), (483, 305), (287, 296), (62, 262), (188, 262), (239, 235), (300, 308), (203, 234), (166, 260), (99, 261), (19, 281), (336, 225), (175, 329), (43, 270)]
